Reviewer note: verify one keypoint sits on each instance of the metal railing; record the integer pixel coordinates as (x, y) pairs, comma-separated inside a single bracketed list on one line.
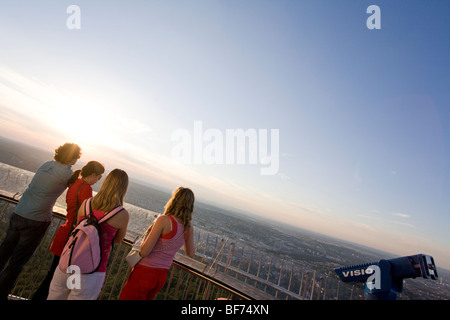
[(247, 265), (184, 281), (222, 268), (187, 278)]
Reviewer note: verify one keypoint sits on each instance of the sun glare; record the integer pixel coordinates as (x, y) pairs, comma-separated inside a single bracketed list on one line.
[(82, 122)]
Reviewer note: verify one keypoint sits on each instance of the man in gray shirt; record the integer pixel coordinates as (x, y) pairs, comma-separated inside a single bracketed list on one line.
[(33, 213)]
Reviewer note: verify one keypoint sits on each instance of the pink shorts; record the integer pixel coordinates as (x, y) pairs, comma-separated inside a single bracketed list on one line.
[(143, 283)]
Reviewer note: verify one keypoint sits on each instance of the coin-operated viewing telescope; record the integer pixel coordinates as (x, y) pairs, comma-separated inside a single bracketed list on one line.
[(384, 279)]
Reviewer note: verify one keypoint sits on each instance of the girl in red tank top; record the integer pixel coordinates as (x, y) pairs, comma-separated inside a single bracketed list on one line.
[(165, 237)]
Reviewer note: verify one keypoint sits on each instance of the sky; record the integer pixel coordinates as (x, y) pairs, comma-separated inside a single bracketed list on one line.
[(352, 121)]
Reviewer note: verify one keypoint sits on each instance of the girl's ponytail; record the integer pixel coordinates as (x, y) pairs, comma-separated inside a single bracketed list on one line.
[(73, 178)]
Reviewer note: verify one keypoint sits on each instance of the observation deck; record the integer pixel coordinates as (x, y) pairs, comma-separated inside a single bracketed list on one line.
[(256, 266), (214, 273), (223, 267), (187, 279)]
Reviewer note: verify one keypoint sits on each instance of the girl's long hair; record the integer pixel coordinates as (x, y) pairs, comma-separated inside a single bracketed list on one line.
[(112, 192), (181, 206)]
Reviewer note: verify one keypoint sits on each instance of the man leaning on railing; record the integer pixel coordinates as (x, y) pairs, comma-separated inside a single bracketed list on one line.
[(33, 213)]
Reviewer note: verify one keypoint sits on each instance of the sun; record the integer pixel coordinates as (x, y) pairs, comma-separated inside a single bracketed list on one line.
[(85, 123)]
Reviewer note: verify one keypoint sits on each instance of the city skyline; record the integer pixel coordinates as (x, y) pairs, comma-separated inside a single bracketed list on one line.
[(361, 114)]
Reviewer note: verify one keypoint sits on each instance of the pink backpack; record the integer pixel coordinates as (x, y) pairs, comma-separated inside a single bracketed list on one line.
[(83, 247)]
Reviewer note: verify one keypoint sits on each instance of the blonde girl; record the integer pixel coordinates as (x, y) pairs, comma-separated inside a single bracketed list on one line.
[(167, 234)]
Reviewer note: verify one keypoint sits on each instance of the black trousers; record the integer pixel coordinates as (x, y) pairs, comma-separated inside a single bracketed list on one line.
[(22, 238), (42, 292)]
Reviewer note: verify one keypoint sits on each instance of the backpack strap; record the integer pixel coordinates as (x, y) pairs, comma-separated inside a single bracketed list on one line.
[(75, 217), (106, 216), (111, 214), (87, 208)]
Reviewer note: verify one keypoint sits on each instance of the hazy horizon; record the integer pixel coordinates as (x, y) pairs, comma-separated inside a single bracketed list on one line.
[(202, 202)]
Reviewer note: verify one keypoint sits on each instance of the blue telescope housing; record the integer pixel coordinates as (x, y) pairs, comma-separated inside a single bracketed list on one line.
[(384, 279)]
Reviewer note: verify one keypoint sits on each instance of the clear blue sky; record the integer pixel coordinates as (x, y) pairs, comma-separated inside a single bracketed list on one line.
[(363, 115)]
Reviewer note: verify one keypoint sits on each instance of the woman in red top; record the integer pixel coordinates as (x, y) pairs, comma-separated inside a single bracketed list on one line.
[(79, 190), (170, 231)]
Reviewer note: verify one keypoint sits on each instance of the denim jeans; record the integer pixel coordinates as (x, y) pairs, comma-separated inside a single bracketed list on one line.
[(22, 238)]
